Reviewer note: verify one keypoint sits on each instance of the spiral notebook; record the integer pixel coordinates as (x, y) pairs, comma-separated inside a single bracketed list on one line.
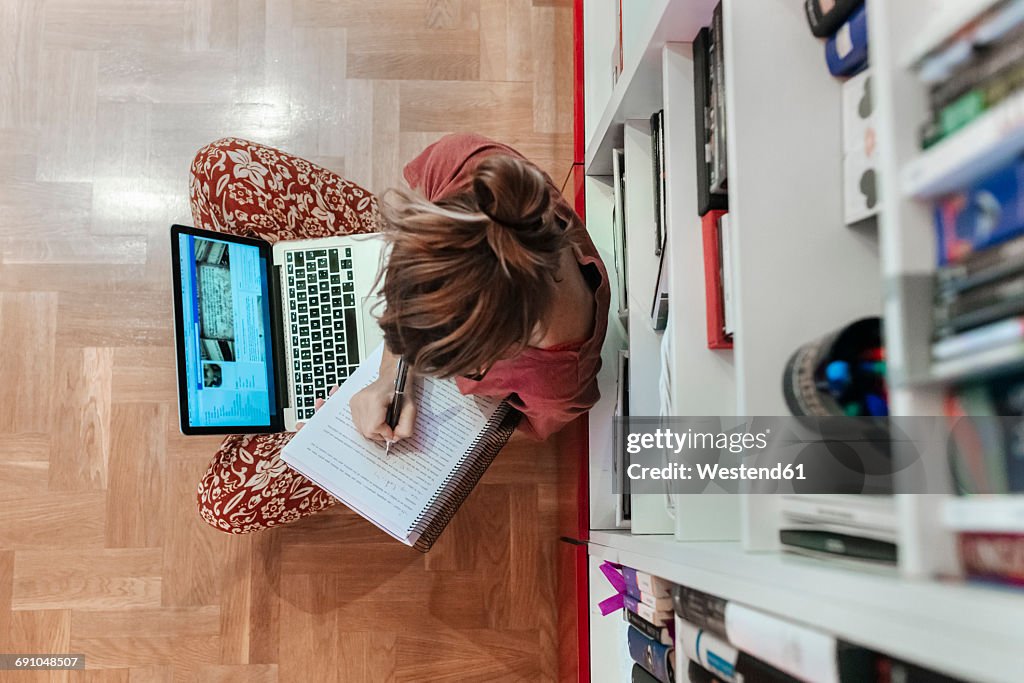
[(414, 492)]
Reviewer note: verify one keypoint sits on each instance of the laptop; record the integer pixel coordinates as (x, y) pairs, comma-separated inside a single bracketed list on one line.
[(263, 330)]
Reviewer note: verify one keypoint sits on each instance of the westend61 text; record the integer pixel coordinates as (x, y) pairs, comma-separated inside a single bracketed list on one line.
[(716, 472)]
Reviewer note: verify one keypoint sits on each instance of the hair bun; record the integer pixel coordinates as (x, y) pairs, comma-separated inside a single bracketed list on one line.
[(511, 192)]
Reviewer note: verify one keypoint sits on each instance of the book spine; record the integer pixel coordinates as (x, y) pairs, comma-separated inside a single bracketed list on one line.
[(970, 320), (655, 616), (988, 213), (982, 267), (640, 675), (801, 652), (993, 556), (653, 585), (949, 308), (651, 655), (824, 23), (711, 652), (719, 179), (644, 583), (663, 634), (996, 59), (750, 669), (656, 173), (702, 609), (889, 670), (714, 308), (706, 199), (979, 339), (695, 673), (833, 543)]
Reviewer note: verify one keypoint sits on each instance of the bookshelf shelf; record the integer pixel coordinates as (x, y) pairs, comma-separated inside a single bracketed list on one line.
[(965, 630)]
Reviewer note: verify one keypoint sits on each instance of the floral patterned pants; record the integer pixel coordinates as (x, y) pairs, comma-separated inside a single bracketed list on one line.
[(245, 188)]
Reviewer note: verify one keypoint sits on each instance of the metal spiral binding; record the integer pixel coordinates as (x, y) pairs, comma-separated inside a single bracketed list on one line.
[(463, 479)]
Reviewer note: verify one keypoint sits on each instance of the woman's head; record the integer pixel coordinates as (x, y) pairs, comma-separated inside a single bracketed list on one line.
[(470, 278)]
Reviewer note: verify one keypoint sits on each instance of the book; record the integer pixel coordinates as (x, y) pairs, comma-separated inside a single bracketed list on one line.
[(660, 604), (653, 656), (728, 274), (953, 308), (719, 169), (413, 493), (750, 669), (970, 105), (662, 634), (846, 52), (713, 289), (642, 582), (826, 16), (656, 615), (977, 461), (991, 312), (697, 674), (640, 675), (661, 302), (705, 648), (620, 458), (989, 556), (988, 212), (701, 609), (1001, 333), (826, 542), (981, 268), (658, 171), (988, 434), (706, 199), (801, 652), (619, 227), (984, 66)]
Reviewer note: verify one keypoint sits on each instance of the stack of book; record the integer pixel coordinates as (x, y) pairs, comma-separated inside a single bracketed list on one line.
[(987, 421), (720, 640), (979, 284), (978, 68), (648, 610)]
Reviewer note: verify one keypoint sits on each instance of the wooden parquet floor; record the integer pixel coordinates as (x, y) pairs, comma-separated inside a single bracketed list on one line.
[(102, 104)]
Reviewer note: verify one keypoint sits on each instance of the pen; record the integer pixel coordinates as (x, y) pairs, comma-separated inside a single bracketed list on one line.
[(395, 408)]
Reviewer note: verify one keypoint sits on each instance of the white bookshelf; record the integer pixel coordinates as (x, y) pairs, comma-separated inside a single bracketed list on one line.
[(964, 630), (800, 273)]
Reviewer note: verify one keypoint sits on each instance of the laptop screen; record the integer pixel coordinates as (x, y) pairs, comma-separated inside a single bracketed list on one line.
[(228, 357)]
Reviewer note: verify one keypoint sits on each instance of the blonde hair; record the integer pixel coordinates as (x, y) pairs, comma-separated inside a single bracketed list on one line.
[(471, 277)]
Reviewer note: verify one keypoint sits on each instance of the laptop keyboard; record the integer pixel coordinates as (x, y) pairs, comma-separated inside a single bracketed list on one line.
[(322, 322)]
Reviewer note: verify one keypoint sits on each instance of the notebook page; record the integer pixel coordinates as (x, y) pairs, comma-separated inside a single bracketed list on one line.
[(390, 491)]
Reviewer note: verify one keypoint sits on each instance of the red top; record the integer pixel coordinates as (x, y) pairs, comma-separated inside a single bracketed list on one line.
[(551, 386)]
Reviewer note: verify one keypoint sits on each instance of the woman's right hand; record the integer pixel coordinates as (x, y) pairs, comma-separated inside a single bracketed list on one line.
[(370, 408)]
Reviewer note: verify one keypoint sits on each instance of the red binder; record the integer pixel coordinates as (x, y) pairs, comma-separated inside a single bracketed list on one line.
[(715, 308)]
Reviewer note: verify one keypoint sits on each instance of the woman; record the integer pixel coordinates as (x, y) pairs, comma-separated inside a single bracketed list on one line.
[(492, 280)]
